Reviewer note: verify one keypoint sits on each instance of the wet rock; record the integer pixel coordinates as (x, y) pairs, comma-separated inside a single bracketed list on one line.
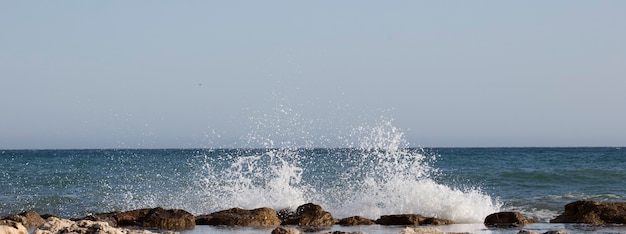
[(282, 230), (524, 231), (506, 220), (55, 225), (173, 219), (410, 219), (355, 220), (400, 219), (436, 221), (12, 227), (158, 218), (261, 217), (27, 218), (310, 215), (593, 212), (555, 232)]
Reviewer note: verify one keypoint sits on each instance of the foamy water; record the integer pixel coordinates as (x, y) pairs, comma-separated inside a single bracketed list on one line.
[(380, 176)]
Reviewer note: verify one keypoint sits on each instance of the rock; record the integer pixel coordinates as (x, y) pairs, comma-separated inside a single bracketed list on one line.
[(158, 218), (400, 219), (54, 225), (410, 219), (27, 218), (355, 220), (506, 220), (110, 218), (524, 231), (173, 219), (12, 227), (342, 232), (555, 232), (310, 215), (593, 212), (436, 221), (429, 230), (261, 217), (282, 230)]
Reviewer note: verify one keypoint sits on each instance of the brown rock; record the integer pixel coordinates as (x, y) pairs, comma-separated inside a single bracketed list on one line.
[(261, 217), (436, 221), (400, 219), (282, 230), (355, 220), (310, 215), (506, 219), (593, 212), (27, 218), (159, 218), (173, 219)]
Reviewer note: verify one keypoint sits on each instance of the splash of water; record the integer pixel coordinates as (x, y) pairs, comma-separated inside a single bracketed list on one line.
[(376, 174)]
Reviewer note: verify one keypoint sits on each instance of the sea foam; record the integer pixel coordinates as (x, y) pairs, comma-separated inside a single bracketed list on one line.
[(377, 173)]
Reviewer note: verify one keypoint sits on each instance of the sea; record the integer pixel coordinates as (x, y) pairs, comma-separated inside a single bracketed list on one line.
[(380, 175)]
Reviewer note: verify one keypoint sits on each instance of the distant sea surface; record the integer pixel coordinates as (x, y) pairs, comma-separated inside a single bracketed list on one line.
[(462, 184)]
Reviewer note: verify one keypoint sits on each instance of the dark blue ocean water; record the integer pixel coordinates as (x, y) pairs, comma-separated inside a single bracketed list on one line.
[(463, 184)]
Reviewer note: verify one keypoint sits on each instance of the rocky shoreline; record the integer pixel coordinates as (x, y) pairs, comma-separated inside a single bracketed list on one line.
[(306, 218)]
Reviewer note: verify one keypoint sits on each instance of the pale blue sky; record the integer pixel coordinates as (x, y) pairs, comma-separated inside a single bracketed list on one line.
[(160, 74)]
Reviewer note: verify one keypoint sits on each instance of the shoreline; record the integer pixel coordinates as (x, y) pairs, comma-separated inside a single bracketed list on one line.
[(578, 217)]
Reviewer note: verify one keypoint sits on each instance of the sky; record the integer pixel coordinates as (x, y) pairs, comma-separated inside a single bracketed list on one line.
[(186, 74)]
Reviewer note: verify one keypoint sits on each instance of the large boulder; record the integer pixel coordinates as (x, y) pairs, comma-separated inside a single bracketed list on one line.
[(12, 227), (506, 219), (310, 215), (355, 220), (410, 219), (159, 218), (260, 217), (27, 218), (593, 212)]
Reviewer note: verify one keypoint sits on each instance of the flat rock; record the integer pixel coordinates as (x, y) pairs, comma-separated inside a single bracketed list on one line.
[(410, 219), (356, 220), (593, 212), (54, 225), (260, 217)]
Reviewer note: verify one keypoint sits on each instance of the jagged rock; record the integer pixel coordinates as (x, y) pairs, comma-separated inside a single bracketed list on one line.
[(54, 225), (261, 217), (12, 227), (27, 218), (282, 230), (506, 219), (173, 219), (355, 220), (593, 212), (159, 218), (310, 215)]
